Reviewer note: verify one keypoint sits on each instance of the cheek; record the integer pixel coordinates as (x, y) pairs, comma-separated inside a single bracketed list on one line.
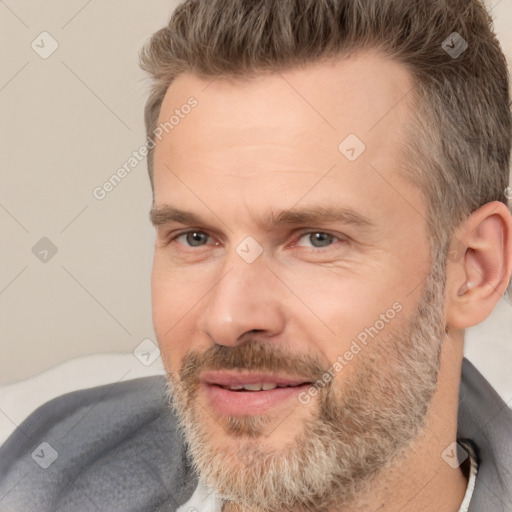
[(342, 315), (174, 291), (171, 312), (339, 303), (177, 297)]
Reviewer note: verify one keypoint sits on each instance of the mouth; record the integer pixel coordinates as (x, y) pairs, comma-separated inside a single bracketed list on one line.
[(265, 386), (242, 394)]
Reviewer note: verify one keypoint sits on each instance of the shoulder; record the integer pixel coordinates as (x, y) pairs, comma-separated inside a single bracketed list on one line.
[(486, 420), (116, 447)]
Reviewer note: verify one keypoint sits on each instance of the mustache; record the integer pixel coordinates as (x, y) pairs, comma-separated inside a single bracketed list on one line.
[(253, 356)]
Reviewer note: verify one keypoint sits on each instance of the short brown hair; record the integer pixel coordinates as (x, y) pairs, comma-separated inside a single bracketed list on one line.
[(460, 132)]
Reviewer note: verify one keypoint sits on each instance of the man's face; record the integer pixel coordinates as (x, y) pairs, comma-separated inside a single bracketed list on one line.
[(287, 252)]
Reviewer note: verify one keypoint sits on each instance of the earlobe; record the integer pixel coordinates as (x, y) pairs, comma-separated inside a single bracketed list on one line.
[(478, 279)]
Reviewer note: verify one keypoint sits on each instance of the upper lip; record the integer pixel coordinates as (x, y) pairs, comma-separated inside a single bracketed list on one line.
[(225, 378)]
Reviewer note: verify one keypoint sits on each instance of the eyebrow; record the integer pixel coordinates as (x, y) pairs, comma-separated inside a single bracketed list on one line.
[(319, 215), (167, 214)]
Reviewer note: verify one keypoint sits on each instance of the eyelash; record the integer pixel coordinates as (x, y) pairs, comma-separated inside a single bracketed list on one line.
[(298, 238)]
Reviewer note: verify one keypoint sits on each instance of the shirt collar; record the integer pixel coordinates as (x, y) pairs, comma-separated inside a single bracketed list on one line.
[(473, 471)]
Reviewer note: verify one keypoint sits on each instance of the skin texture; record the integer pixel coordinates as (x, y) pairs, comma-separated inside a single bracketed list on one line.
[(254, 148)]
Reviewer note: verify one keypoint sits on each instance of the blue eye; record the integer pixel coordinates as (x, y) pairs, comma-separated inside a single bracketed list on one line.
[(194, 238), (317, 240)]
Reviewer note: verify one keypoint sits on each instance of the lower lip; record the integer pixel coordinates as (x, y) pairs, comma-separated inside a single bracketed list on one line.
[(243, 403)]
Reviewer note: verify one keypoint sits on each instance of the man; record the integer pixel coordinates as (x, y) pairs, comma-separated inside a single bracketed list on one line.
[(330, 182)]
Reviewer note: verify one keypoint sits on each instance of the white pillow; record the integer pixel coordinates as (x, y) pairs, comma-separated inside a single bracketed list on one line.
[(18, 400)]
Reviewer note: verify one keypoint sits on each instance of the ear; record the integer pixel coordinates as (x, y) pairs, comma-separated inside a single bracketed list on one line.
[(479, 265)]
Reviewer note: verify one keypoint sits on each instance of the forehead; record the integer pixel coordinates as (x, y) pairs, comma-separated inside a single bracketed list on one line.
[(286, 129), (352, 94)]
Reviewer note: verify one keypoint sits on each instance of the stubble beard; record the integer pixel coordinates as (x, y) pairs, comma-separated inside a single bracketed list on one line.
[(356, 430)]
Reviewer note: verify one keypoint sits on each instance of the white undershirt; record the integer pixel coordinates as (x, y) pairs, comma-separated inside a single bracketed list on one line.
[(473, 470), (204, 500)]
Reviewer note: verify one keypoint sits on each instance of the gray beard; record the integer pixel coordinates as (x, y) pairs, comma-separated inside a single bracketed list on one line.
[(357, 429)]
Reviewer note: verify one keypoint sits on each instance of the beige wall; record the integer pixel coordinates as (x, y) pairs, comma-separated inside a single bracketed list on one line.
[(68, 122)]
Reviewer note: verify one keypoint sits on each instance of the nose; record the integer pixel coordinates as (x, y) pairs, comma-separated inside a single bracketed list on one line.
[(247, 299)]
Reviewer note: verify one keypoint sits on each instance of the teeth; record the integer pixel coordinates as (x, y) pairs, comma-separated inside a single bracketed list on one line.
[(253, 387), (257, 387)]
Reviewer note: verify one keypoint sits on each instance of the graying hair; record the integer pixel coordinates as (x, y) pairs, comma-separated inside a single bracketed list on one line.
[(460, 132)]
